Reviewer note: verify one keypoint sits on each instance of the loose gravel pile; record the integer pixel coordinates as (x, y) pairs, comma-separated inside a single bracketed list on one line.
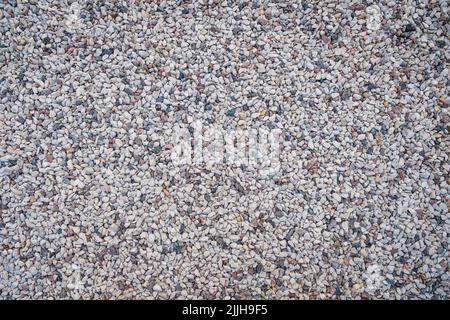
[(93, 205)]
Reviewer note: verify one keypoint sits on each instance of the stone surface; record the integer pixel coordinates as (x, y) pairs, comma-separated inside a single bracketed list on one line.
[(93, 207)]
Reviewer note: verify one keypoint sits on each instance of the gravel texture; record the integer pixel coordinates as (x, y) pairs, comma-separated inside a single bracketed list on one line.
[(93, 206)]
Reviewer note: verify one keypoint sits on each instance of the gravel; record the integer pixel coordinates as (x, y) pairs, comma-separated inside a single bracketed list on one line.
[(93, 205)]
